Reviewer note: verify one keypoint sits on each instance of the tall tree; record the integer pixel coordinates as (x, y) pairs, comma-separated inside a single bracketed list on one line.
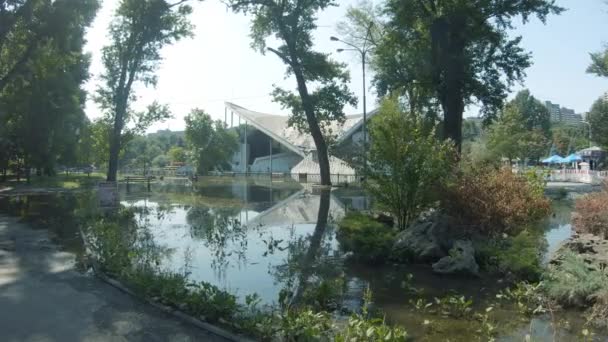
[(140, 29), (461, 51), (43, 103), (598, 121), (21, 33), (533, 112), (211, 142), (292, 23), (509, 137)]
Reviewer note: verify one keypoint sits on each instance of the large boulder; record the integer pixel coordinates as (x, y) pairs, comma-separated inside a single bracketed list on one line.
[(427, 240), (461, 260)]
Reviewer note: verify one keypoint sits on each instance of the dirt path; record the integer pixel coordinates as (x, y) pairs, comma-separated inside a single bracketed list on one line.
[(43, 298)]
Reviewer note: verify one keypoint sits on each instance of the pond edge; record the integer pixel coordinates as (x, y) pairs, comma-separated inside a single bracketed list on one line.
[(182, 316)]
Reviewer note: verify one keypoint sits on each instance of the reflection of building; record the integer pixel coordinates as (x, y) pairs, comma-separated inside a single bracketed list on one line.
[(299, 208), (268, 144)]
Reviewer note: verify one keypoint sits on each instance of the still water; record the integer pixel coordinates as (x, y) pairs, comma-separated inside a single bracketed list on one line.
[(263, 237)]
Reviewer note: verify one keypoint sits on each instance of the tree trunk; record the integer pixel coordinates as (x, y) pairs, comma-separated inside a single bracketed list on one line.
[(313, 124), (448, 58), (307, 263), (115, 141)]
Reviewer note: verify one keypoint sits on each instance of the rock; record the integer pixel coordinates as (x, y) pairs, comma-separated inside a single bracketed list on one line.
[(593, 249), (385, 219), (461, 260), (424, 241)]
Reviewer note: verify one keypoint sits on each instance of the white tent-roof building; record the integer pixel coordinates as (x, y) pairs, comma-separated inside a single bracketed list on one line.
[(268, 144)]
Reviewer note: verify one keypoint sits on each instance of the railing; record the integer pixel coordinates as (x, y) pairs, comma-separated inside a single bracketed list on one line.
[(579, 176), (336, 178)]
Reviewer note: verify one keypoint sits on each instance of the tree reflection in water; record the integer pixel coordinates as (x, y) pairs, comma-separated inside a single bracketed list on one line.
[(220, 231), (310, 274)]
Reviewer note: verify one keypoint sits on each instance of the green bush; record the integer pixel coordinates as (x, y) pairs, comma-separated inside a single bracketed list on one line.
[(406, 163), (573, 282), (518, 256), (522, 257), (368, 239)]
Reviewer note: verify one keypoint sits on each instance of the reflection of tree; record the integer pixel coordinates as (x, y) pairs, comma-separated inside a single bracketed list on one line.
[(309, 262), (221, 233)]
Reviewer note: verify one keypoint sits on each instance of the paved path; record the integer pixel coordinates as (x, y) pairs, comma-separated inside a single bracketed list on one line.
[(42, 298)]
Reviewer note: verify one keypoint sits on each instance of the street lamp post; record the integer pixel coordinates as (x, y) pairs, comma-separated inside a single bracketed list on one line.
[(588, 124), (363, 51)]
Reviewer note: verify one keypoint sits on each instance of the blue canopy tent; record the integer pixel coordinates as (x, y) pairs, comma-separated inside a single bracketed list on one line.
[(554, 159), (573, 158)]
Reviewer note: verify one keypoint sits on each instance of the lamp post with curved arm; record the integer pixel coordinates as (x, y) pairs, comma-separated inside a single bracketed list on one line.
[(363, 52)]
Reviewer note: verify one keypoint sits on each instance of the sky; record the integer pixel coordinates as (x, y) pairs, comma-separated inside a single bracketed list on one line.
[(218, 64)]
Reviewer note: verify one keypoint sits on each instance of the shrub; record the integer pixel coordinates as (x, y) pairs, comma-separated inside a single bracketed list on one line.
[(592, 214), (494, 202), (522, 256), (573, 282), (406, 162), (368, 239)]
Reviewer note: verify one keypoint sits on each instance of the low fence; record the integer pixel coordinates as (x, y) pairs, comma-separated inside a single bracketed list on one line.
[(315, 178), (579, 176)]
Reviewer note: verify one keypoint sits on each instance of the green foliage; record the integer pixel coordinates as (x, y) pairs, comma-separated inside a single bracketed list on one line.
[(406, 163), (211, 142), (367, 238), (494, 202), (527, 298), (522, 256), (372, 330), (177, 154), (592, 213), (599, 63), (444, 47), (42, 69), (510, 137), (573, 282), (598, 119), (326, 294), (454, 306), (138, 32), (534, 113), (568, 139), (123, 247)]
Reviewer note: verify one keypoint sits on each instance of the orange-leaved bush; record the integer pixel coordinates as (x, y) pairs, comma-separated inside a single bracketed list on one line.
[(495, 201), (591, 214)]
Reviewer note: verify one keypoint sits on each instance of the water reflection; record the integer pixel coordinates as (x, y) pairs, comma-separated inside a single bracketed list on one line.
[(278, 240)]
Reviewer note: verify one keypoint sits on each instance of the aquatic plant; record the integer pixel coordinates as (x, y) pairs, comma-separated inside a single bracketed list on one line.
[(573, 282), (326, 295), (454, 306), (367, 238), (526, 297), (488, 328), (522, 257)]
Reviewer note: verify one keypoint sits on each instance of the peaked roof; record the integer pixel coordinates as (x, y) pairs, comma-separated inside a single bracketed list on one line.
[(276, 126)]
